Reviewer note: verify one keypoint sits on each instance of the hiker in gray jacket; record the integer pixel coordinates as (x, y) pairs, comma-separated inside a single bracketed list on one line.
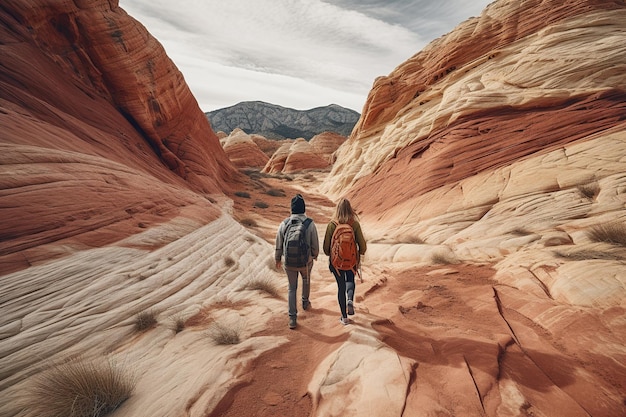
[(297, 243)]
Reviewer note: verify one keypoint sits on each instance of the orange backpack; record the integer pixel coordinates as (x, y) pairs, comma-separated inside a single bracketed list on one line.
[(344, 254)]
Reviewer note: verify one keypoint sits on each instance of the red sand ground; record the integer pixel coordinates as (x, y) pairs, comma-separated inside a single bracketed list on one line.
[(448, 319)]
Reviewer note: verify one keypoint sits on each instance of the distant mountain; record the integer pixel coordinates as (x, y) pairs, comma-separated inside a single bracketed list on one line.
[(276, 122)]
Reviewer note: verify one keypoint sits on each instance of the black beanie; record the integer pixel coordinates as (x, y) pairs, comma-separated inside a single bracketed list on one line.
[(297, 205)]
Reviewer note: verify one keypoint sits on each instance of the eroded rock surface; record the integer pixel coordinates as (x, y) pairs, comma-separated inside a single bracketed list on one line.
[(243, 151), (295, 156), (483, 292), (101, 136)]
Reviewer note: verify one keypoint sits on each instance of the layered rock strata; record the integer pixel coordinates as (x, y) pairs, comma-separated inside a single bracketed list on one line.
[(100, 132)]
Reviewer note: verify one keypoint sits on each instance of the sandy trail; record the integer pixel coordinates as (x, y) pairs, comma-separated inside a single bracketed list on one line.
[(465, 344)]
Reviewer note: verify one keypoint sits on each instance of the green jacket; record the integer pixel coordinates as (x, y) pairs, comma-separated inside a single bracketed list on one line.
[(358, 235)]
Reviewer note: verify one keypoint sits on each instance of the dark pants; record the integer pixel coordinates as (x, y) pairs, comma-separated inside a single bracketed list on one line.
[(345, 288)]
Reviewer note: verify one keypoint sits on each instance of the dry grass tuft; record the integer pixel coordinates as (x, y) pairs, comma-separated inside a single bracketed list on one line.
[(264, 284), (177, 323), (222, 334), (229, 261), (79, 389), (443, 259), (586, 255), (261, 204), (413, 240), (145, 320), (613, 233), (520, 231), (248, 222), (589, 190), (275, 192), (242, 194)]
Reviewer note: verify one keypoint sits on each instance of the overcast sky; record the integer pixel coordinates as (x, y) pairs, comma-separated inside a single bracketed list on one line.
[(294, 53)]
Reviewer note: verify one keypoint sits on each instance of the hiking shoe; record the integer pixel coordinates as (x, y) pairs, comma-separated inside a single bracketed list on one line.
[(344, 320), (292, 323), (350, 308), (306, 305)]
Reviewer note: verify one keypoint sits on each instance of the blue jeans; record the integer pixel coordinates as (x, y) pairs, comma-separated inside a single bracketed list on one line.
[(345, 288), (292, 276)]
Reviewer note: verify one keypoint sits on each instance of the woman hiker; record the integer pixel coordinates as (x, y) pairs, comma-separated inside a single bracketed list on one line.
[(344, 271)]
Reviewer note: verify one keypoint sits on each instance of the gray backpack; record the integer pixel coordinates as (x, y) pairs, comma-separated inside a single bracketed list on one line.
[(295, 247)]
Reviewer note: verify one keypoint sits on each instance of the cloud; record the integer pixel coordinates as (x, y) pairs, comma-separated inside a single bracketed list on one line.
[(298, 54)]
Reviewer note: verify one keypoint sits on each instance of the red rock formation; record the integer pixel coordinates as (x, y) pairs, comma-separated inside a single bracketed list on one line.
[(326, 144), (295, 157), (486, 141), (108, 55), (101, 136), (481, 39), (487, 94), (243, 151), (269, 146)]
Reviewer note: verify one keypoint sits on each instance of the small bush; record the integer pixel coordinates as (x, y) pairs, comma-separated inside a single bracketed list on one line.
[(413, 240), (261, 204), (177, 323), (442, 259), (145, 320), (242, 194), (589, 190), (229, 261), (585, 255), (224, 335), (263, 284), (613, 233), (520, 231), (248, 222), (79, 389), (275, 192)]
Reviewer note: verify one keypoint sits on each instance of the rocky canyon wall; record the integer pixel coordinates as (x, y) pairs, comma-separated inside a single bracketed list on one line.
[(100, 134), (519, 81)]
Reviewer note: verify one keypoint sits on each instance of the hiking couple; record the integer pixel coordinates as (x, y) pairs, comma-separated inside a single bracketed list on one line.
[(297, 243)]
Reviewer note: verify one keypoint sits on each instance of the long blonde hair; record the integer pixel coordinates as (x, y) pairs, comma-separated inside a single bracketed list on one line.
[(344, 212)]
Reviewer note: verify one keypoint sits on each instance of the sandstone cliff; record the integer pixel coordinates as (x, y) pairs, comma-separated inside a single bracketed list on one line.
[(295, 156), (243, 151), (100, 134), (486, 290), (504, 143)]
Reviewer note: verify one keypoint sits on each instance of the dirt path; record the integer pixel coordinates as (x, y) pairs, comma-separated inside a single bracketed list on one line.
[(474, 345)]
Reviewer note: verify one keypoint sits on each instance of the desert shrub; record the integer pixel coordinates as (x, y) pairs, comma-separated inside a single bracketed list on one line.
[(613, 233), (145, 320), (275, 192), (79, 389), (261, 204), (585, 255), (442, 259), (520, 231), (413, 239), (229, 261), (589, 190), (248, 222), (264, 284), (177, 323), (242, 194), (222, 334)]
